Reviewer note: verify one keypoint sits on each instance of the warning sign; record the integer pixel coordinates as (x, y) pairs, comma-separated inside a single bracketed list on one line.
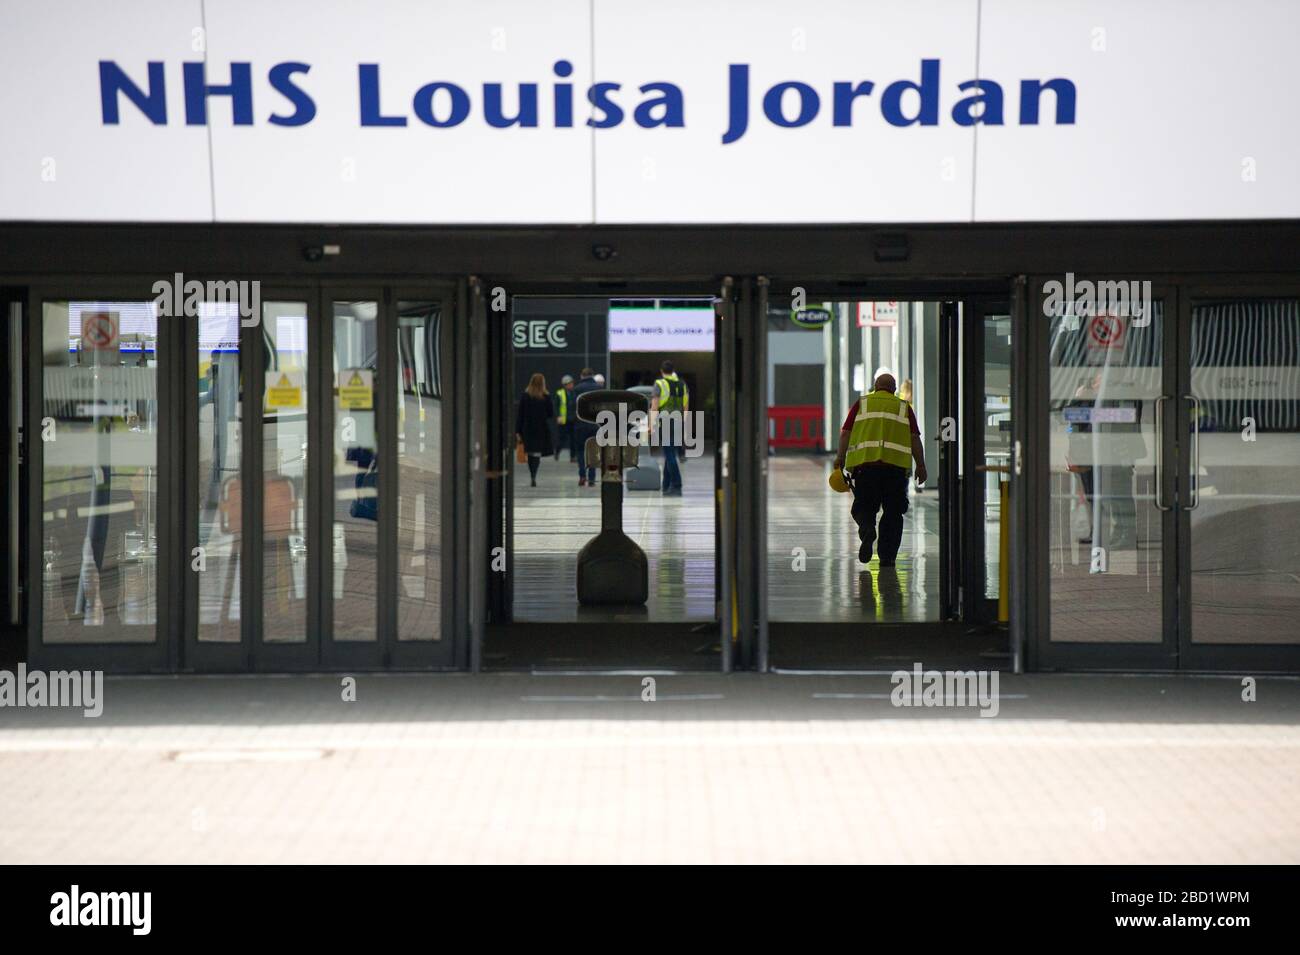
[(877, 314), (1105, 339), (284, 390), (99, 331), (356, 389), (1106, 331)]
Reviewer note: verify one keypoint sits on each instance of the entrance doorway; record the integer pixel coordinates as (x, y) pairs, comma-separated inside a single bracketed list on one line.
[(938, 603), (550, 501)]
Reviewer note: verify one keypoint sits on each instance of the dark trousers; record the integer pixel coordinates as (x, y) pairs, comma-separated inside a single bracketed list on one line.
[(879, 487), (565, 437), (1118, 511), (578, 442), (672, 469)]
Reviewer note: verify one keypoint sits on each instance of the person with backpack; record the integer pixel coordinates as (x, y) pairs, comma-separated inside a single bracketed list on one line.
[(671, 397)]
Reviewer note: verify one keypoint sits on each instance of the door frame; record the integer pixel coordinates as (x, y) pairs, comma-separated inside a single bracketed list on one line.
[(14, 327), (492, 472), (175, 647), (976, 607), (978, 293), (1216, 657), (1042, 653), (162, 654)]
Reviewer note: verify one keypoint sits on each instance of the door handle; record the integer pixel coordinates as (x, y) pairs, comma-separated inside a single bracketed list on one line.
[(1196, 450), (1160, 454)]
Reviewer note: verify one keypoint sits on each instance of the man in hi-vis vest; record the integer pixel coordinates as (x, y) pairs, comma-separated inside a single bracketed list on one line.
[(878, 443), (671, 397), (565, 415)]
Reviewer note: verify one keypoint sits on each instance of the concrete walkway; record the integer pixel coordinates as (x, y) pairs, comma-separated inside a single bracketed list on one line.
[(747, 768)]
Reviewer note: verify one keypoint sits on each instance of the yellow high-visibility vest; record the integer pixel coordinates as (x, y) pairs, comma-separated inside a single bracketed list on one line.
[(563, 416), (673, 395), (881, 432)]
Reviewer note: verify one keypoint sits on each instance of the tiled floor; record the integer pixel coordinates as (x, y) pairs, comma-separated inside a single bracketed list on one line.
[(743, 768), (813, 572)]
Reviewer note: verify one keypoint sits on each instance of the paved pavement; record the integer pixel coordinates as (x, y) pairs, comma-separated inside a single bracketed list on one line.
[(746, 768)]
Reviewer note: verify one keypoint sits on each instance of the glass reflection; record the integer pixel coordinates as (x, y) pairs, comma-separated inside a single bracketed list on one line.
[(355, 532), (99, 478)]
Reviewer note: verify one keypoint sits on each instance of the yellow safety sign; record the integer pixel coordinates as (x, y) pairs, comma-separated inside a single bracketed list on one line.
[(355, 391), (283, 390)]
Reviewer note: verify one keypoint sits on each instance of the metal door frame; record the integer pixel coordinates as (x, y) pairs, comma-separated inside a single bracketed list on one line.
[(982, 293), (975, 605), (1042, 653), (1217, 657), (491, 458), (947, 462), (162, 654)]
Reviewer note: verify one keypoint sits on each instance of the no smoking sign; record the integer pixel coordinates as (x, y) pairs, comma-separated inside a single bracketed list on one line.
[(99, 331), (1106, 331)]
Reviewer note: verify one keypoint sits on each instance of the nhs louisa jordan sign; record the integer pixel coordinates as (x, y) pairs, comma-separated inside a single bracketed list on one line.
[(789, 104), (572, 111)]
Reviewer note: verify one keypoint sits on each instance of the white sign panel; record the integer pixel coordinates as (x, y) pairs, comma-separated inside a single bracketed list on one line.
[(618, 111), (665, 330)]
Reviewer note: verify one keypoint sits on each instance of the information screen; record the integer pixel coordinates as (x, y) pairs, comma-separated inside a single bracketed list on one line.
[(664, 330)]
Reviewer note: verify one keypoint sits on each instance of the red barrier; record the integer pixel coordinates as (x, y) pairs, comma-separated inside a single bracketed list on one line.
[(796, 426)]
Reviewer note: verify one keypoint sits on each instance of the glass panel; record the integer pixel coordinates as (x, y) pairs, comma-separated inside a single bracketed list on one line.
[(819, 364), (419, 472), (1245, 508), (997, 440), (284, 472), (1106, 534), (220, 486), (355, 532), (100, 479)]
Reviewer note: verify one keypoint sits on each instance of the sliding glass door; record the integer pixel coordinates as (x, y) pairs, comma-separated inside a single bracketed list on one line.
[(253, 483)]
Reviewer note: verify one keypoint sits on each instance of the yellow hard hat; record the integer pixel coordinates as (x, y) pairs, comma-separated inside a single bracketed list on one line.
[(838, 482)]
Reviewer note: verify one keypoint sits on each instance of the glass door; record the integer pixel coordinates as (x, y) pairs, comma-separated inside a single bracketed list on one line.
[(1168, 458), (100, 431), (314, 495), (1238, 501), (1104, 462)]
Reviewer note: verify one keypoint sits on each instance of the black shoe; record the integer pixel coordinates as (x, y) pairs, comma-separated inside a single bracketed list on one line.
[(534, 482), (582, 482), (864, 554)]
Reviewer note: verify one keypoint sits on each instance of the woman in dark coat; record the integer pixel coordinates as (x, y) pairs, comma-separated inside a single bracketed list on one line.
[(533, 423)]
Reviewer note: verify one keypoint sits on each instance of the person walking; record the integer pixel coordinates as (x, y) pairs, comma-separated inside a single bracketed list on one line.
[(533, 423), (564, 418), (582, 430), (878, 443), (672, 398)]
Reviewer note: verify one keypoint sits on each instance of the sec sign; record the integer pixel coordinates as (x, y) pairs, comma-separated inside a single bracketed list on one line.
[(540, 334)]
